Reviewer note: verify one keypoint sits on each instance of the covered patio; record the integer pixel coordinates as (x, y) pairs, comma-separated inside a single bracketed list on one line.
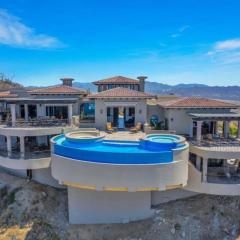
[(25, 147), (31, 113), (214, 127), (217, 170)]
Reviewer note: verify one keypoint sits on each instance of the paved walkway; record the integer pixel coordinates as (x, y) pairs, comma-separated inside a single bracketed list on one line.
[(125, 135)]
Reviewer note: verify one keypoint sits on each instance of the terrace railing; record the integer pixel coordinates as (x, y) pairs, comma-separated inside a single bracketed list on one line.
[(39, 122), (217, 143), (28, 155), (224, 175)]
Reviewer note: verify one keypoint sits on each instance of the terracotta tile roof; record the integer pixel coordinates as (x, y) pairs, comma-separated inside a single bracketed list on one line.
[(58, 90), (7, 94), (117, 80), (120, 92), (196, 102)]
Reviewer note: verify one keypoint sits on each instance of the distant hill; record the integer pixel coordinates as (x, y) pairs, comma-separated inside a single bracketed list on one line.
[(184, 90)]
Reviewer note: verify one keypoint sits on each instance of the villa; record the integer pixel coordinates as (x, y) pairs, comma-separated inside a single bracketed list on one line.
[(120, 151)]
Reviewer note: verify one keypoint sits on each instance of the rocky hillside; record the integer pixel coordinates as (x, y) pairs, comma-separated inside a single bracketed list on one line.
[(31, 211), (7, 84)]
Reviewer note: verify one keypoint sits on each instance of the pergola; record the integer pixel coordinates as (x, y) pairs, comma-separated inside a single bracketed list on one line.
[(226, 117)]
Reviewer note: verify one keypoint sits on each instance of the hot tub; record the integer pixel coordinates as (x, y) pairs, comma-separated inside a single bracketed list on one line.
[(84, 137)]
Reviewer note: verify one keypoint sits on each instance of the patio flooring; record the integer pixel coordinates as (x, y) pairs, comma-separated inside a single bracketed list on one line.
[(124, 135)]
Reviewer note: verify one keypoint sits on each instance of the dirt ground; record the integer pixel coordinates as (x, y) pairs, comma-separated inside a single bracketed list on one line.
[(29, 210)]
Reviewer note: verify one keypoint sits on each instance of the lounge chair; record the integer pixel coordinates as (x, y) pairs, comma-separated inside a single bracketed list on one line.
[(137, 128), (109, 127)]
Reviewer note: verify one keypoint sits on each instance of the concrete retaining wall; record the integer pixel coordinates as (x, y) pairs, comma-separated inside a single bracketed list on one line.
[(93, 207)]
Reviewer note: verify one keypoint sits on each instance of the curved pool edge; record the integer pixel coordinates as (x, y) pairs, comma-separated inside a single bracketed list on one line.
[(119, 151)]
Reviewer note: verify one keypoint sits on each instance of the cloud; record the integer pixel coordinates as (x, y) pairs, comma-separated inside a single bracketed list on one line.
[(180, 31), (14, 33), (231, 44), (183, 28), (175, 35), (226, 52)]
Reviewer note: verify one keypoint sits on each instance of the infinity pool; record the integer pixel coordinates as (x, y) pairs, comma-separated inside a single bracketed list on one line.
[(151, 150)]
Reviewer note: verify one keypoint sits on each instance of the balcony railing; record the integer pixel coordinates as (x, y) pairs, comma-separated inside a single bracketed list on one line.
[(27, 155), (224, 175), (39, 122), (217, 143)]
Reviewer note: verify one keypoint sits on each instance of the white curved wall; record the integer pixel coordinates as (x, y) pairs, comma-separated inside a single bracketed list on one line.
[(195, 184), (30, 131), (227, 152), (128, 177), (22, 164)]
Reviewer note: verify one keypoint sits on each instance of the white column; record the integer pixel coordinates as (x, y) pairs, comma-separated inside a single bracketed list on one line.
[(38, 110), (22, 146), (238, 133), (26, 112), (204, 169), (70, 113), (198, 163), (13, 113), (226, 129), (215, 127), (191, 129), (199, 131), (9, 146)]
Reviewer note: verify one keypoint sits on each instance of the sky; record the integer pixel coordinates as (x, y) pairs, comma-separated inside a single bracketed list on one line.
[(170, 41)]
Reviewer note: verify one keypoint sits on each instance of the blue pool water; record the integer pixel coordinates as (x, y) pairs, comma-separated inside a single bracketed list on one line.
[(118, 152)]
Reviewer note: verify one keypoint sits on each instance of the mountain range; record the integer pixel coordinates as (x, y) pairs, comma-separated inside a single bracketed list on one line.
[(184, 90)]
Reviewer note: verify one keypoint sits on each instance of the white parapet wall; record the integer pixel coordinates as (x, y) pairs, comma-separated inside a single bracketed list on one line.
[(196, 184), (30, 131), (128, 177), (24, 164), (95, 207)]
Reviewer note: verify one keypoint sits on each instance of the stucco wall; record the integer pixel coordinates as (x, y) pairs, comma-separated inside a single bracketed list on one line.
[(23, 164), (155, 110), (101, 110), (100, 114), (196, 184), (91, 207), (141, 111), (170, 195), (30, 131), (19, 173), (44, 176), (130, 176), (178, 120)]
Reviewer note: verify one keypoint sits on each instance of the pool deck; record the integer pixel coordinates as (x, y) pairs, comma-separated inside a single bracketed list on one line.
[(124, 136)]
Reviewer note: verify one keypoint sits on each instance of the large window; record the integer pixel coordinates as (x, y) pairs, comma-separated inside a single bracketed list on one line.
[(60, 112), (87, 110)]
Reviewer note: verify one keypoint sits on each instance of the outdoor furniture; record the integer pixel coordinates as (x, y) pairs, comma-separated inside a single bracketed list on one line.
[(109, 127), (137, 128), (209, 137)]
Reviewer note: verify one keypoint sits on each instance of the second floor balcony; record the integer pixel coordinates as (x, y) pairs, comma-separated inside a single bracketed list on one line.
[(36, 122)]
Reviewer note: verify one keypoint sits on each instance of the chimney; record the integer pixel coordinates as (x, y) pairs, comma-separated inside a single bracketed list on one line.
[(142, 83), (67, 81)]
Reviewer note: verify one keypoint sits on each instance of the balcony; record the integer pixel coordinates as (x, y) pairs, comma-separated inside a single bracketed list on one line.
[(227, 174), (30, 160), (222, 180), (224, 148), (37, 122), (27, 155)]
